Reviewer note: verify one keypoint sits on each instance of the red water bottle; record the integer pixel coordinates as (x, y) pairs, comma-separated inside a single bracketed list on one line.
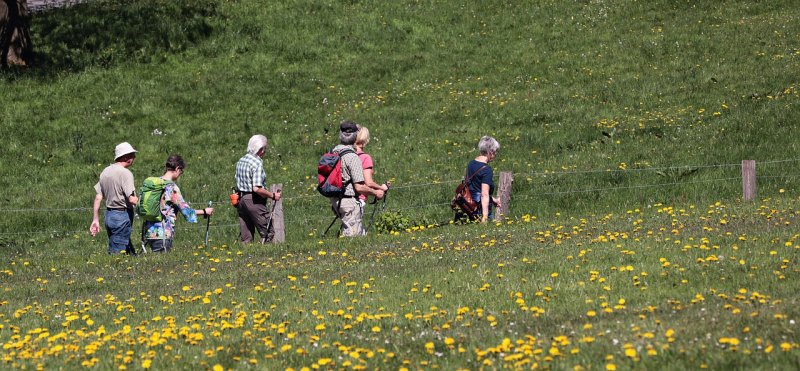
[(234, 197)]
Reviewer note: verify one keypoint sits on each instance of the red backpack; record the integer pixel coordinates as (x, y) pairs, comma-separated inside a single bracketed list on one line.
[(329, 174)]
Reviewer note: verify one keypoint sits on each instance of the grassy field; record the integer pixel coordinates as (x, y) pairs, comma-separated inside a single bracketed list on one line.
[(623, 122), (663, 287)]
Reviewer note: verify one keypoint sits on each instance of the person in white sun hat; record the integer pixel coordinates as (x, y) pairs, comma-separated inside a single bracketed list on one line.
[(116, 186)]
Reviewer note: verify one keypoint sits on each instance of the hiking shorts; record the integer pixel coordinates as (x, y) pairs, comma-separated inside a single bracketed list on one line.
[(349, 210)]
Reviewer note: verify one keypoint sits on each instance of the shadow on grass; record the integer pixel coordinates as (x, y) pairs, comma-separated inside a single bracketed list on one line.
[(105, 33)]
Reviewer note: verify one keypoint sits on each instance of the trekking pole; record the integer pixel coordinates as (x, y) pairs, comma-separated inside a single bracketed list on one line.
[(375, 208), (144, 248), (272, 210), (329, 226), (335, 218), (208, 222)]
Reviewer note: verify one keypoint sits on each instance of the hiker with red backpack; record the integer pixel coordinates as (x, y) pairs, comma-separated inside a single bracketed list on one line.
[(341, 179), (160, 201), (251, 187)]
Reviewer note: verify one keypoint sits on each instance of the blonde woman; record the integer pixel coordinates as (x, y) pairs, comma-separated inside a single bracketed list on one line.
[(362, 139)]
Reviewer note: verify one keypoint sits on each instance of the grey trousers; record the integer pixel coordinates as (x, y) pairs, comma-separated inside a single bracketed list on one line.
[(254, 215)]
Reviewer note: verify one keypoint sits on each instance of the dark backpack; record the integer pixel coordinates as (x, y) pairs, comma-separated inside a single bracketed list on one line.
[(462, 200), (150, 194), (329, 174)]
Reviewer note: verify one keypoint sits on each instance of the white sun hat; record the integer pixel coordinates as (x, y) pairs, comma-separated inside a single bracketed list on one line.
[(123, 149)]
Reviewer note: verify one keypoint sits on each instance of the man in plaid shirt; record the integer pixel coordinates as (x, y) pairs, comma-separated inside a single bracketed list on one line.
[(251, 183)]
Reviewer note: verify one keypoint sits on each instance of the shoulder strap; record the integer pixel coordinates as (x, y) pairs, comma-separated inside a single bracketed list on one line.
[(167, 183), (475, 173), (345, 151)]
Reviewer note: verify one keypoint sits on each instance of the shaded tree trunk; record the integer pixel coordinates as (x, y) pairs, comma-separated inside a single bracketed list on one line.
[(16, 48)]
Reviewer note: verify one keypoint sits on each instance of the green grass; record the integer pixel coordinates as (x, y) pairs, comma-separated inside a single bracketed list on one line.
[(668, 287), (600, 107)]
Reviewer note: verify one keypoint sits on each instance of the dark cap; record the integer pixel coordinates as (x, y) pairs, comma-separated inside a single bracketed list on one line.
[(348, 127)]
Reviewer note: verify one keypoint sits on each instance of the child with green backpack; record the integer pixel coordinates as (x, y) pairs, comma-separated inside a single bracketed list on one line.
[(160, 201)]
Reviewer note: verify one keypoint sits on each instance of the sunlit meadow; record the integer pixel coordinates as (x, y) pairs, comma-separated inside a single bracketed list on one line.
[(624, 123), (665, 286)]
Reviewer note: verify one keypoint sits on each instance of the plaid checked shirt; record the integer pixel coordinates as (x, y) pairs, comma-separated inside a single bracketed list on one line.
[(250, 173)]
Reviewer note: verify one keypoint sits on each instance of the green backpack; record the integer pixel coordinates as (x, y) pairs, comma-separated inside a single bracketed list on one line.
[(150, 194)]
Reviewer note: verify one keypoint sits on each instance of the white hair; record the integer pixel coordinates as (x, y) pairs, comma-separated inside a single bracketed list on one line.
[(256, 143), (488, 145)]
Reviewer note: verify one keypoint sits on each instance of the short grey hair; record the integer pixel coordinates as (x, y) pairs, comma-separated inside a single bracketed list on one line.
[(256, 143), (346, 138), (488, 145)]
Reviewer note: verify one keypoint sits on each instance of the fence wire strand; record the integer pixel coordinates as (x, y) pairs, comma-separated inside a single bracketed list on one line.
[(324, 217)]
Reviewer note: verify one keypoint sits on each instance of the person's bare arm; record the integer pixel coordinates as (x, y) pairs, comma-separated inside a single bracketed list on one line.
[(263, 192), (371, 183), (366, 190), (95, 227), (485, 199)]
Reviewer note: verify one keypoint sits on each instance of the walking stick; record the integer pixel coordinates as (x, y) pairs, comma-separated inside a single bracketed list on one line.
[(144, 248), (208, 222), (335, 218), (272, 211), (375, 208)]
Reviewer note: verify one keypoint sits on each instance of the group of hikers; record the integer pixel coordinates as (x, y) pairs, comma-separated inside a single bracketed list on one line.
[(345, 176), (117, 187)]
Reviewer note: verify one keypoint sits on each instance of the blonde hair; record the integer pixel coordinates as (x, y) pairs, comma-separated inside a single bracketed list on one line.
[(362, 138)]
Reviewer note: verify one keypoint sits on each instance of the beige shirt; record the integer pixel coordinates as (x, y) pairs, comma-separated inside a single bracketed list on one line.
[(116, 184), (351, 169)]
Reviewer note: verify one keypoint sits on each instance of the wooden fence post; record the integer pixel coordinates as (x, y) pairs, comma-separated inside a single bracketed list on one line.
[(504, 194), (748, 179), (277, 217)]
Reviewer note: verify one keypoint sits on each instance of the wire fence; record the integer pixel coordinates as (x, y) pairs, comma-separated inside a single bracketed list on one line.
[(430, 200)]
